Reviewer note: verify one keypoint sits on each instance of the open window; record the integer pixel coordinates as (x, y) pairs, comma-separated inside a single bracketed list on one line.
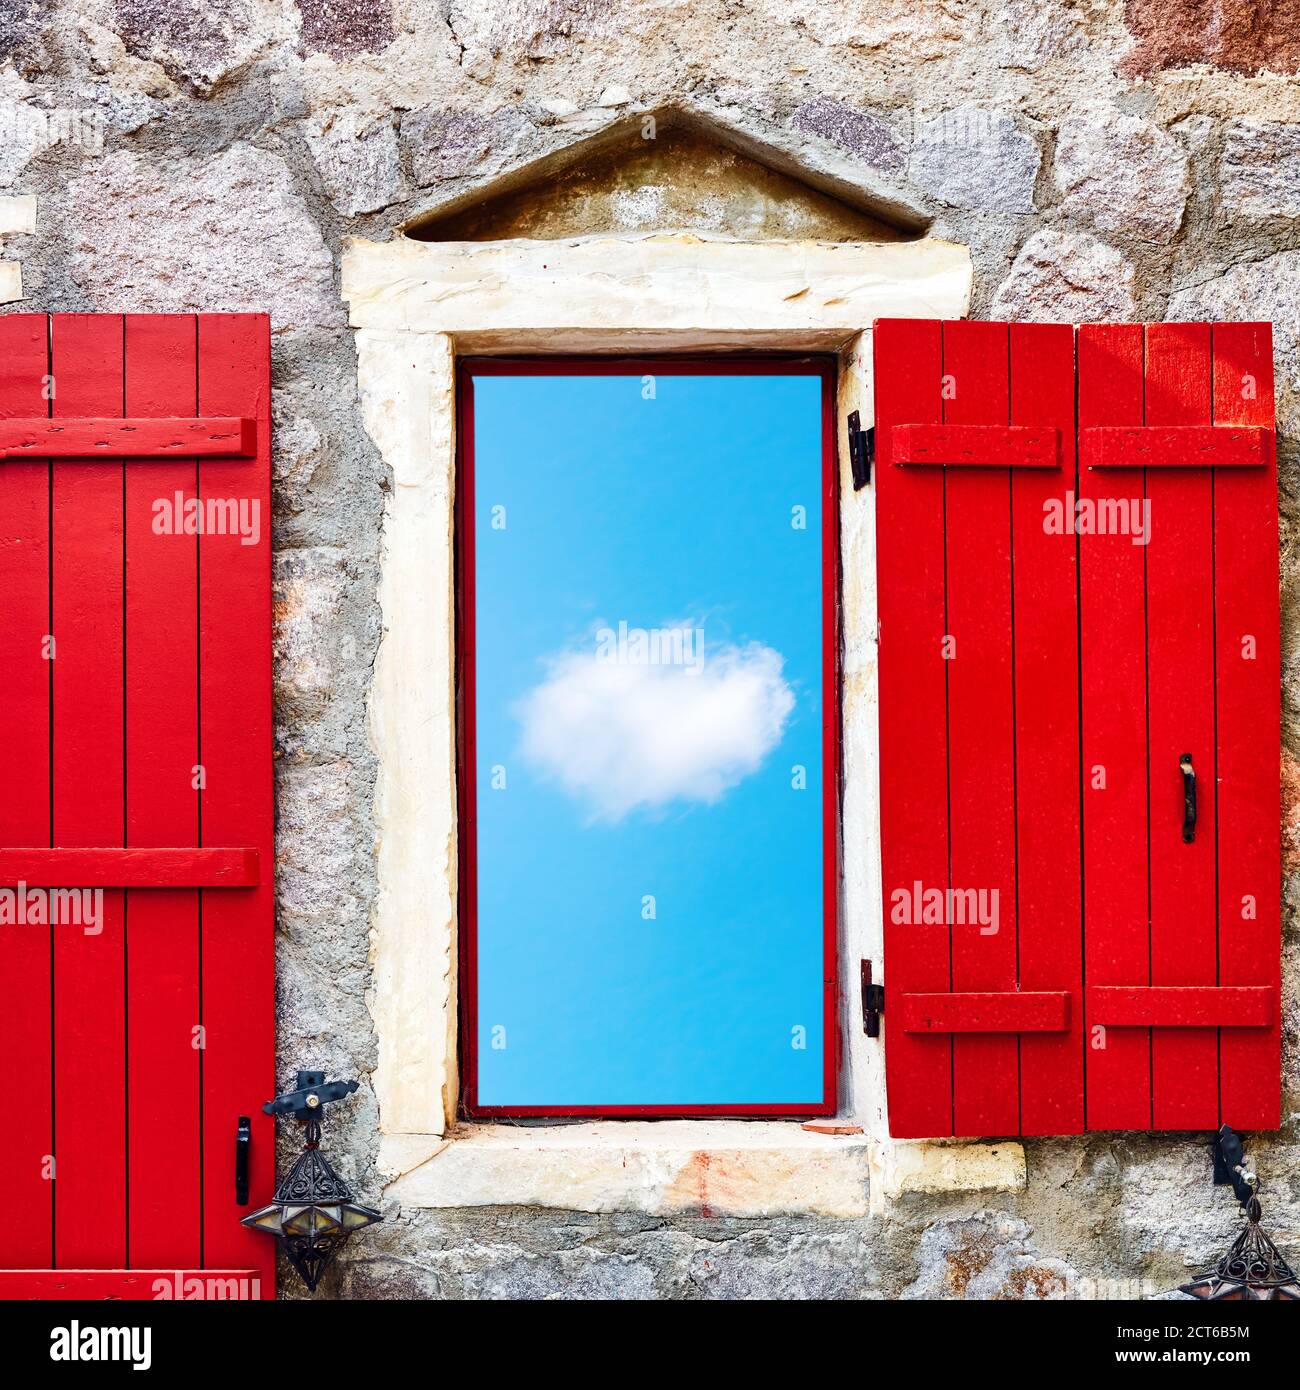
[(648, 736)]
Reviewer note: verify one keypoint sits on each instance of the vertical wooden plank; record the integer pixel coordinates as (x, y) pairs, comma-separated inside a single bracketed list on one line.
[(162, 966), (238, 981), (1249, 735), (25, 804), (913, 721), (1180, 681), (981, 728), (1112, 605), (90, 1194), (1048, 889)]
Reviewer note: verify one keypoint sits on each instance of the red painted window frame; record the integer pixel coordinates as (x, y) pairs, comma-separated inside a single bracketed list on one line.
[(768, 364)]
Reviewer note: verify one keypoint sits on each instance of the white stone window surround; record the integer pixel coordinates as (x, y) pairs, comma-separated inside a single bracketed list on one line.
[(416, 307)]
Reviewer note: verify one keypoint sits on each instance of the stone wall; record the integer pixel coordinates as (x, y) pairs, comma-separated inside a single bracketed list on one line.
[(1102, 159)]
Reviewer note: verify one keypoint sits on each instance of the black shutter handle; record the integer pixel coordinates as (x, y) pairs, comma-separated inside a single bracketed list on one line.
[(1189, 798), (243, 1137)]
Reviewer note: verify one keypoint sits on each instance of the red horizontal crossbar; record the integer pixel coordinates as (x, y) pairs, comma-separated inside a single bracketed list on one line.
[(130, 868), (977, 446), (223, 1285), (1041, 1012), (175, 437), (1175, 446), (1180, 1006)]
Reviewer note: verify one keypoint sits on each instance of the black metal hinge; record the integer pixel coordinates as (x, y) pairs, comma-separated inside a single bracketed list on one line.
[(862, 451), (873, 1002)]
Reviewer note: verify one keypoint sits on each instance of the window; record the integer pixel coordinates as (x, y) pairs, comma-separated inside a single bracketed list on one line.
[(648, 736)]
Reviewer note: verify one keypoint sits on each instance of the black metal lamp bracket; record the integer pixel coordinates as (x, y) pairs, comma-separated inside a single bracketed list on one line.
[(1253, 1267), (1230, 1165), (307, 1101), (312, 1213)]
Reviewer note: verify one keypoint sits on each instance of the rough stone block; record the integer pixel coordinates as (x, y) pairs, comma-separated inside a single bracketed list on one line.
[(227, 233), (1260, 171), (357, 159), (1239, 35), (457, 144), (987, 1256), (1066, 277), (1122, 173), (981, 160), (864, 136)]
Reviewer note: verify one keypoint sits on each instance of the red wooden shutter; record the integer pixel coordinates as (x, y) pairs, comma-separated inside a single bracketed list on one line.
[(135, 744), (1047, 924)]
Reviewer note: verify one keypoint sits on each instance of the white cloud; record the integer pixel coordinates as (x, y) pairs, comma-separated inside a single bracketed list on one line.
[(626, 736)]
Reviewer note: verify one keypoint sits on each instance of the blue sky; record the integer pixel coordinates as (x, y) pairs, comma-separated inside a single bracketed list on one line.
[(627, 779)]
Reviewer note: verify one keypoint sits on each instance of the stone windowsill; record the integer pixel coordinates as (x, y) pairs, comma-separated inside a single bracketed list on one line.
[(742, 1168)]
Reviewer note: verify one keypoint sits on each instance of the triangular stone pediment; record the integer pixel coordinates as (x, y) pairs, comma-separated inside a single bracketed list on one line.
[(693, 173)]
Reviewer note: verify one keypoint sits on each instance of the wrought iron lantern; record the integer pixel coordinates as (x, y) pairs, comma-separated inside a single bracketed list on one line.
[(312, 1213), (1253, 1269)]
